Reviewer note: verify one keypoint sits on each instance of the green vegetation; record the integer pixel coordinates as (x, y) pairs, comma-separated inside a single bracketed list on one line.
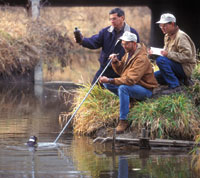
[(172, 116)]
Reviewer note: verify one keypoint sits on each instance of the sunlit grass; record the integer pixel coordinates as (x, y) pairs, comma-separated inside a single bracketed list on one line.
[(100, 109)]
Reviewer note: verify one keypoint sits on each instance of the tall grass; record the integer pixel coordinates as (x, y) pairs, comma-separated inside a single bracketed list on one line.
[(100, 109), (173, 116)]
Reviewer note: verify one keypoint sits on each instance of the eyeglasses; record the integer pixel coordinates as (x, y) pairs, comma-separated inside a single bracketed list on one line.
[(113, 19)]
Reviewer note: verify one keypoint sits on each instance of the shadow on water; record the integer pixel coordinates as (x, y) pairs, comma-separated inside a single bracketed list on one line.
[(34, 110)]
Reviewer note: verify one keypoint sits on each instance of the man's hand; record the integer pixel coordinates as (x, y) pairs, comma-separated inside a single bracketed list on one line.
[(164, 53), (113, 57), (149, 51), (78, 40), (104, 79)]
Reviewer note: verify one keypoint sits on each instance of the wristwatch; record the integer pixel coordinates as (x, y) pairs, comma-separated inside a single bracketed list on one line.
[(111, 80)]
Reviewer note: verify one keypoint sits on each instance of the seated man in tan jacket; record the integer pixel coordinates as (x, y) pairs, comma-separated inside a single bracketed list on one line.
[(136, 77), (178, 58)]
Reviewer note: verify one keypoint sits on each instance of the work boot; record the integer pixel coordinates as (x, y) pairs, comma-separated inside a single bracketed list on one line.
[(188, 82), (169, 90), (122, 126)]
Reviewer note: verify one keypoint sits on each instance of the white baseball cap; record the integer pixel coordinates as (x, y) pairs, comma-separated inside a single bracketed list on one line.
[(166, 18), (128, 36)]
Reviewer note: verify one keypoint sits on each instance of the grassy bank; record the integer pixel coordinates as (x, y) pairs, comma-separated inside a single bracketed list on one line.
[(173, 116)]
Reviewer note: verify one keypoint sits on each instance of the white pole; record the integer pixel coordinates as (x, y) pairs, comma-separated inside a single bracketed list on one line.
[(81, 102), (35, 9)]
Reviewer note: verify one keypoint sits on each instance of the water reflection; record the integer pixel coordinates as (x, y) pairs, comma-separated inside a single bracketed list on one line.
[(24, 112), (101, 161), (123, 167)]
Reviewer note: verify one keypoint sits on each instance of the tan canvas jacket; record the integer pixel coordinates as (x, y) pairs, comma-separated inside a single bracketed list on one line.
[(138, 70), (181, 49)]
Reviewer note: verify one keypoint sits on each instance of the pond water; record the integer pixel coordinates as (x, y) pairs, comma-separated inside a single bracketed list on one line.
[(34, 110)]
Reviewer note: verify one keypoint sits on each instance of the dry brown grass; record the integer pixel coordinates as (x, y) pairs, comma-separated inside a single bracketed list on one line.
[(85, 64), (92, 19), (24, 42), (103, 102), (48, 39)]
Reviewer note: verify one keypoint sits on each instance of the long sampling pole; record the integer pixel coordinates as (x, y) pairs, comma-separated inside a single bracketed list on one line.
[(82, 101)]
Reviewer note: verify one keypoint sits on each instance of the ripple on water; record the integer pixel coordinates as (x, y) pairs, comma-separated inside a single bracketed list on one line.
[(40, 146)]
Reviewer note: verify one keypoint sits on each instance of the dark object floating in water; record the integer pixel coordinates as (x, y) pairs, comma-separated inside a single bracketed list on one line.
[(32, 141)]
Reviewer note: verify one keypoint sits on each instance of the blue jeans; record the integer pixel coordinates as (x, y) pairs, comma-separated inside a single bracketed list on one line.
[(126, 92), (170, 72), (123, 167)]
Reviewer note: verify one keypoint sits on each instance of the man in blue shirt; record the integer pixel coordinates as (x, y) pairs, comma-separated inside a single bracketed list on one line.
[(108, 40)]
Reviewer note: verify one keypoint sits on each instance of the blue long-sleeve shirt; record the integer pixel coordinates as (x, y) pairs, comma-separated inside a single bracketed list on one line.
[(108, 40)]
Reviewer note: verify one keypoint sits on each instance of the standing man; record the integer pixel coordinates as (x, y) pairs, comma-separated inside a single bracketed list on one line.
[(108, 40), (178, 57), (136, 77)]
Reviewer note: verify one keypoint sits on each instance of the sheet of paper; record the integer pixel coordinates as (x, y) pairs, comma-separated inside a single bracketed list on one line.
[(156, 51)]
